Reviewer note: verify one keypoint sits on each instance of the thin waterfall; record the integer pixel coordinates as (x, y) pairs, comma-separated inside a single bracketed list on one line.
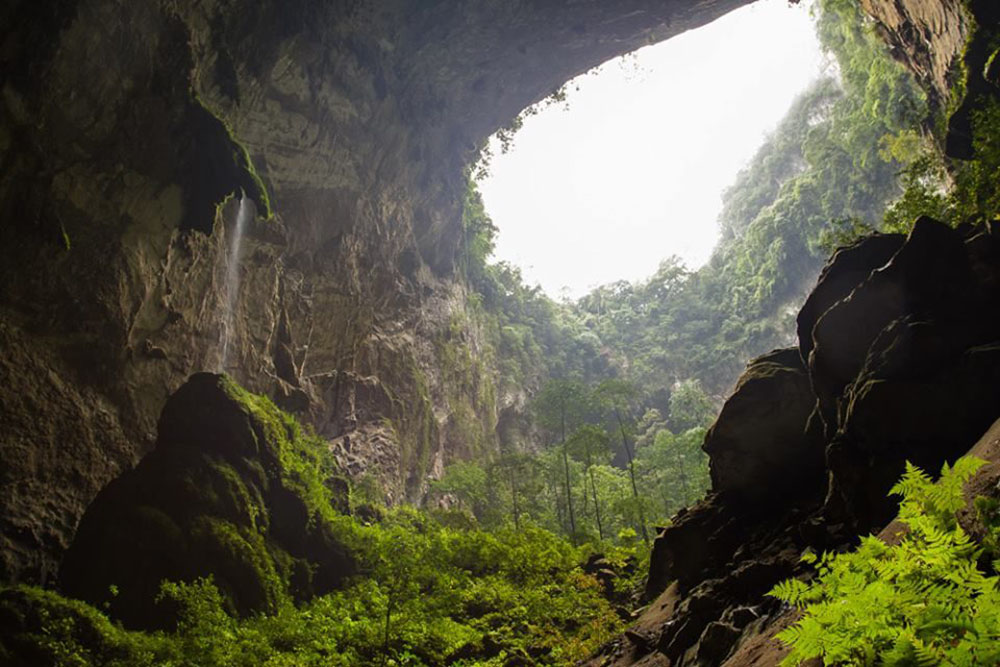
[(231, 287)]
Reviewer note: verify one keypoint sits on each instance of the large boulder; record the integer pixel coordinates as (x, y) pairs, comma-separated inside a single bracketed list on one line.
[(929, 277), (904, 367), (232, 491), (760, 446), (848, 267)]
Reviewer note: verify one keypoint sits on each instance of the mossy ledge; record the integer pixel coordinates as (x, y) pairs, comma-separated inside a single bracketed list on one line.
[(235, 490)]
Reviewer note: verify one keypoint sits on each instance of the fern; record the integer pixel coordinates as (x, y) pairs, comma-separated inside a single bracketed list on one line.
[(922, 602)]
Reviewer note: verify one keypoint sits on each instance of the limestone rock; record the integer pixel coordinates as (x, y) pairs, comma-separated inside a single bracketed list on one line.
[(847, 268), (218, 497), (759, 445), (927, 35), (124, 128), (902, 340), (929, 274)]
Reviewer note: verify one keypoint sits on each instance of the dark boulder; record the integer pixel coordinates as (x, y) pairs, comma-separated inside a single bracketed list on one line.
[(848, 267), (231, 492), (928, 278), (760, 446), (715, 643), (895, 413)]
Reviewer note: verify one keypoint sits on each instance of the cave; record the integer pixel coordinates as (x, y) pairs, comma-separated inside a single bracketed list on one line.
[(130, 126), (133, 135)]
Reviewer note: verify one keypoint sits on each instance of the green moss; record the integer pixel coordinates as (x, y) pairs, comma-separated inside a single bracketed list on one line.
[(65, 238), (236, 501), (241, 564), (260, 196), (253, 182), (39, 627)]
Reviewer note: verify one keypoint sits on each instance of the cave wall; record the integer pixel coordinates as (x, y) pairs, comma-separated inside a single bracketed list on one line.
[(928, 36), (128, 129)]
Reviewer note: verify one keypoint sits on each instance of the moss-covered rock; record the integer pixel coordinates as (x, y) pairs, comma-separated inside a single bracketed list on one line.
[(235, 490), (40, 628)]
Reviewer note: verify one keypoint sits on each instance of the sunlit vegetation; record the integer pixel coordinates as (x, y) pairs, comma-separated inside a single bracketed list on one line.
[(599, 475), (955, 191), (931, 599), (826, 174), (433, 587)]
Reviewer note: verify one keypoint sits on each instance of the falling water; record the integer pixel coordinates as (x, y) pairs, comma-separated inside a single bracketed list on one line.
[(231, 287)]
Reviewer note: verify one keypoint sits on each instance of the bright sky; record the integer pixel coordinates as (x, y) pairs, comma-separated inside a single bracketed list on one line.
[(634, 171)]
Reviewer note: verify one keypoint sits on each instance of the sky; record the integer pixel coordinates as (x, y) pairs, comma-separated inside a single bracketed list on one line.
[(633, 171)]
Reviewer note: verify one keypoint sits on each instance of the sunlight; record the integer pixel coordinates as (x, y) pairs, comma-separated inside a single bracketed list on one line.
[(633, 171)]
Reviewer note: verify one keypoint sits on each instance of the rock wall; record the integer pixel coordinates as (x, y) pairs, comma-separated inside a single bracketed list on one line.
[(125, 127), (929, 36)]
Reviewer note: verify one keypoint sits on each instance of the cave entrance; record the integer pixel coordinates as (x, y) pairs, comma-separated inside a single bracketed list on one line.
[(629, 168)]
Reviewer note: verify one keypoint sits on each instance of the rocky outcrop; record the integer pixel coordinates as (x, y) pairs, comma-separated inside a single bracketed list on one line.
[(950, 46), (124, 127), (898, 360), (770, 404), (928, 36), (231, 491)]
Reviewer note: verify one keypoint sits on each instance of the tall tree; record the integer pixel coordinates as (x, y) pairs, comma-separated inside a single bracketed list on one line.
[(614, 396), (559, 406)]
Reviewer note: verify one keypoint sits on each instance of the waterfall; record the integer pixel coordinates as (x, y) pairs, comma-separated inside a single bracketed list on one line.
[(231, 288)]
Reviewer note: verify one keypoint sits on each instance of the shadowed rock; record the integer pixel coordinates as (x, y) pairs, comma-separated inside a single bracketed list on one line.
[(759, 445), (902, 342), (226, 493)]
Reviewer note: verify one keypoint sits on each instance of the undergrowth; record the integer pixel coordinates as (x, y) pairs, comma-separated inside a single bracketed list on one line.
[(931, 599), (434, 588)]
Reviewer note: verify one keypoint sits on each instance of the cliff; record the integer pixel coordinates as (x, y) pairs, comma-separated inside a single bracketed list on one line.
[(129, 132)]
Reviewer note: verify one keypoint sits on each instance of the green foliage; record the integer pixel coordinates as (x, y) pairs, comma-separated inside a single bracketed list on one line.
[(597, 474), (433, 587), (690, 406), (434, 595), (923, 601), (954, 191), (39, 627)]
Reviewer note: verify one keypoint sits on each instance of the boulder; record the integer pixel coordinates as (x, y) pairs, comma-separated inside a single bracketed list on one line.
[(760, 446), (849, 266), (928, 277), (896, 414), (231, 491)]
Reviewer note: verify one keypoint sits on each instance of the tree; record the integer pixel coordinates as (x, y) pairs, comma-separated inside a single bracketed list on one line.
[(559, 406), (590, 443), (690, 406), (614, 395)]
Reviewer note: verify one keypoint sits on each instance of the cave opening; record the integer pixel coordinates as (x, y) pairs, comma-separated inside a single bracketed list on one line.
[(626, 165)]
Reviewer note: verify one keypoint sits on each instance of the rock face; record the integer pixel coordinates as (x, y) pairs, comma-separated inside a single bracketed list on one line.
[(124, 128), (928, 35), (898, 359), (953, 61), (770, 404), (222, 494)]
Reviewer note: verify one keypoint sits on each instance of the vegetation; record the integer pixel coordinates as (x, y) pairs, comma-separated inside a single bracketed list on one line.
[(928, 600), (626, 379), (431, 587), (598, 475), (825, 175), (959, 191), (441, 591), (620, 387)]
